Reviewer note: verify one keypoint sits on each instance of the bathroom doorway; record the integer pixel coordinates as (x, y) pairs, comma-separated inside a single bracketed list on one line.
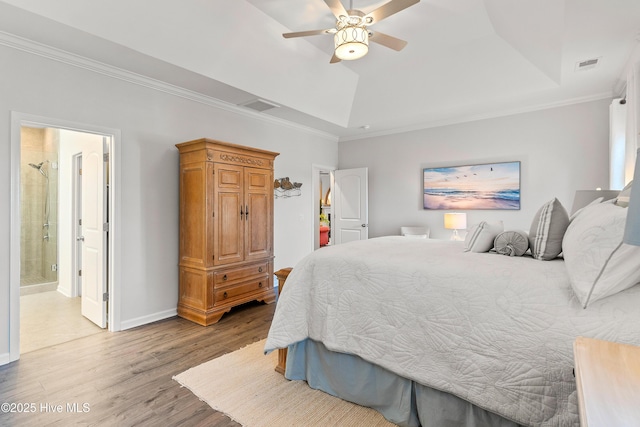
[(48, 299), (53, 307)]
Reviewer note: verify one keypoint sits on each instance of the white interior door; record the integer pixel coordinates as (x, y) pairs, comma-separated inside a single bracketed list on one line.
[(350, 203), (94, 305)]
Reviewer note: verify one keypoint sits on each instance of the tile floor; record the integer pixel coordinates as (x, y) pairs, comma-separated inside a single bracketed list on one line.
[(50, 318)]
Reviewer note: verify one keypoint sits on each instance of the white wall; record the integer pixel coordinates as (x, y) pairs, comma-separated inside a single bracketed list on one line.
[(561, 149), (150, 122)]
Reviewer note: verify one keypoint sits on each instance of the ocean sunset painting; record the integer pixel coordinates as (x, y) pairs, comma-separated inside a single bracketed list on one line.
[(485, 186)]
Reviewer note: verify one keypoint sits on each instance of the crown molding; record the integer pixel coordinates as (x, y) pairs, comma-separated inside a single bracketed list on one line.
[(49, 52), (477, 117)]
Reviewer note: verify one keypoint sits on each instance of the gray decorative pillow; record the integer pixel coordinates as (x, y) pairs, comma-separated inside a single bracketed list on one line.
[(547, 230), (481, 236), (512, 243)]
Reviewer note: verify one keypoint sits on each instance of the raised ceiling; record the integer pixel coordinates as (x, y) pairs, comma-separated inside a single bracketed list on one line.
[(465, 59)]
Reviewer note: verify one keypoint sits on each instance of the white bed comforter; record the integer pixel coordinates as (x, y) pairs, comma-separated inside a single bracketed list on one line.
[(494, 330)]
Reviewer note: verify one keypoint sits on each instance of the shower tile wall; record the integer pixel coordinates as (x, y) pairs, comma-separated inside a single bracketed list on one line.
[(37, 253)]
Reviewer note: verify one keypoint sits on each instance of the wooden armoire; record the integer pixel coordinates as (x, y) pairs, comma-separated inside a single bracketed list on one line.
[(226, 228)]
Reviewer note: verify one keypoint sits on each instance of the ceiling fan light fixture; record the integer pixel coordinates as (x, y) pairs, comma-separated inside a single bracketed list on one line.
[(351, 42)]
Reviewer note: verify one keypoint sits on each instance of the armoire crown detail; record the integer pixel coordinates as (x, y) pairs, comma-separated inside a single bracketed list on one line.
[(243, 160), (226, 228)]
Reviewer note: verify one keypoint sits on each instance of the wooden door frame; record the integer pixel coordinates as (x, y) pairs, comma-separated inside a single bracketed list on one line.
[(18, 120)]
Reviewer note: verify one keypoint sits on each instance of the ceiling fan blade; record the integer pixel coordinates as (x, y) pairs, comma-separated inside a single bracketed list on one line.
[(337, 8), (307, 33), (388, 9), (386, 40), (334, 59)]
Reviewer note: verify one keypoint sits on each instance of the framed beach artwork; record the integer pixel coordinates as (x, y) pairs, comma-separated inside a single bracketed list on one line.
[(483, 186)]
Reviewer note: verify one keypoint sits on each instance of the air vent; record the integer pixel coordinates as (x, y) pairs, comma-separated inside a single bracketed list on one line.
[(260, 105), (587, 64)]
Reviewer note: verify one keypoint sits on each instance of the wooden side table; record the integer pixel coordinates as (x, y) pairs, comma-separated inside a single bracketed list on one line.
[(608, 383), (282, 352)]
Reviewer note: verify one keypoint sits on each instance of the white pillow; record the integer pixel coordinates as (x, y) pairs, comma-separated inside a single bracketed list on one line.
[(623, 198), (593, 202), (481, 236), (598, 263), (547, 230)]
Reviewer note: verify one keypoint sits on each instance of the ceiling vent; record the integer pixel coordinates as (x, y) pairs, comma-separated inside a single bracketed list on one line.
[(260, 105), (587, 64)]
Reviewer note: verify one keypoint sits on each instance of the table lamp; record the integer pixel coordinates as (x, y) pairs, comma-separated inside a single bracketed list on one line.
[(455, 221)]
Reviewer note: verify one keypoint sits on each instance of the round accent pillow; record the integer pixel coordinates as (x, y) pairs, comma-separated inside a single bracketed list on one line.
[(512, 243)]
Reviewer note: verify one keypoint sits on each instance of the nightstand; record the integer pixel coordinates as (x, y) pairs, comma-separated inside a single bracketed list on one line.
[(608, 383)]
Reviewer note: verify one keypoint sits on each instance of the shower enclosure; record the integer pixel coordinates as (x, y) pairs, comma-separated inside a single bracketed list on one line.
[(38, 195)]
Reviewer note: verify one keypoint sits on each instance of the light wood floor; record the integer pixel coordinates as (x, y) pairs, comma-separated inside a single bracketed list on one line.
[(125, 378), (50, 318)]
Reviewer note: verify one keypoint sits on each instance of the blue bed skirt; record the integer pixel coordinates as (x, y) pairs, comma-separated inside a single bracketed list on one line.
[(401, 401)]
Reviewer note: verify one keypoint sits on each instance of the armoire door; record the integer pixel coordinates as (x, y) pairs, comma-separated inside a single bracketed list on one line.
[(229, 216), (258, 185)]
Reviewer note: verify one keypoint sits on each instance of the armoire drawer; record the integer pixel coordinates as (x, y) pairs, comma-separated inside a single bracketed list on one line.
[(231, 276), (241, 290)]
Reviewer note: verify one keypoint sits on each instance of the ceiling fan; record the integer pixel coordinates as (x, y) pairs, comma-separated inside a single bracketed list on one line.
[(351, 35)]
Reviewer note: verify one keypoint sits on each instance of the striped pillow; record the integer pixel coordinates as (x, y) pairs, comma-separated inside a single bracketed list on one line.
[(547, 230), (480, 237)]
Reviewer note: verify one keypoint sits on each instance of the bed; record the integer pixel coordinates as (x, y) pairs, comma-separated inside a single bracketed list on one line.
[(430, 334)]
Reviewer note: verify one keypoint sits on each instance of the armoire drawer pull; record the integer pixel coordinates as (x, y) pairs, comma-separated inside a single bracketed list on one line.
[(260, 284), (224, 295), (260, 270), (224, 278)]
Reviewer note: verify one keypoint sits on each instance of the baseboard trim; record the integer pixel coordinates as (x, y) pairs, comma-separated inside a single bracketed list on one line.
[(64, 291), (139, 321), (5, 358)]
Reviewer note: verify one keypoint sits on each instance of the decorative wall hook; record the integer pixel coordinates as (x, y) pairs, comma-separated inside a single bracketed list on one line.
[(285, 188)]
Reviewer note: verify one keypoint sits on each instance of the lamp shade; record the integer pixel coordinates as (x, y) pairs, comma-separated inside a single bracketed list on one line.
[(455, 221), (632, 227), (351, 42)]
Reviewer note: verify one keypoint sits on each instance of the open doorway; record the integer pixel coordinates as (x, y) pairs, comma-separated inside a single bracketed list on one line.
[(325, 208), (60, 186), (322, 209), (50, 309)]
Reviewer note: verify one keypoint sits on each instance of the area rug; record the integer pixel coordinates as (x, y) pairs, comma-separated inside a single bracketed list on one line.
[(244, 386)]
